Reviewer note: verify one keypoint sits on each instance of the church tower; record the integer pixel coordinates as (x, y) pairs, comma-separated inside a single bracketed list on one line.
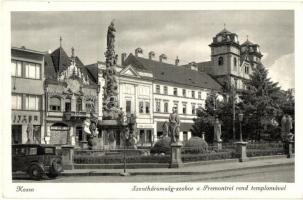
[(252, 52), (225, 57)]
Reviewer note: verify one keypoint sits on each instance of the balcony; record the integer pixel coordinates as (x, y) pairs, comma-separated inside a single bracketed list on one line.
[(74, 115)]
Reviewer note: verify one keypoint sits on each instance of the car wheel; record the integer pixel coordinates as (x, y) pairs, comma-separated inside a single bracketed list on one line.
[(56, 168), (35, 172)]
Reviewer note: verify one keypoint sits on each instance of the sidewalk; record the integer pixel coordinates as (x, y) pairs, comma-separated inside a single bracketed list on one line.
[(210, 167)]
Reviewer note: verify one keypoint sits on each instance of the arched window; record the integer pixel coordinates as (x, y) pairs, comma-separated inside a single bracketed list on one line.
[(220, 61), (235, 62), (55, 104), (79, 105)]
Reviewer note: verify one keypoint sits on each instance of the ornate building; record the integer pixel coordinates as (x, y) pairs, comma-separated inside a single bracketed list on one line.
[(71, 96)]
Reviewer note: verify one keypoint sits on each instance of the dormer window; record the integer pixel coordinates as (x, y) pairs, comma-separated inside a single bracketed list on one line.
[(235, 39), (219, 38), (220, 61)]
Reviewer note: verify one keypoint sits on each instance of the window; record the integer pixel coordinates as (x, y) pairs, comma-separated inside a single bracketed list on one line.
[(184, 92), (79, 105), (166, 107), (17, 101), (176, 91), (158, 89), (199, 95), (185, 135), (184, 108), (16, 68), (32, 70), (193, 94), (165, 90), (220, 61), (141, 107), (176, 106), (55, 104), (148, 136), (32, 151), (158, 105), (147, 107), (193, 109), (246, 69), (128, 106), (235, 62), (68, 105), (32, 102), (49, 150)]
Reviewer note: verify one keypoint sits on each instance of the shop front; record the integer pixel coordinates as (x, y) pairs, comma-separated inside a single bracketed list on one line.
[(26, 125)]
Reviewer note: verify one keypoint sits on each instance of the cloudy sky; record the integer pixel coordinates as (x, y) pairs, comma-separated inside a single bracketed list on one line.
[(185, 34)]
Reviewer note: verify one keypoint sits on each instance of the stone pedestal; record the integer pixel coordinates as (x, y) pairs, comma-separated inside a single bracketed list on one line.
[(176, 160), (218, 144), (84, 144), (289, 146), (68, 157), (241, 151)]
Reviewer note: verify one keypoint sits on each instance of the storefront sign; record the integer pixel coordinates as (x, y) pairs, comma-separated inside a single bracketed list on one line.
[(59, 128)]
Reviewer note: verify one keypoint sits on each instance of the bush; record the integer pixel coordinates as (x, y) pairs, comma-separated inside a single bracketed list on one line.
[(264, 152), (116, 159), (161, 146), (208, 156), (195, 145)]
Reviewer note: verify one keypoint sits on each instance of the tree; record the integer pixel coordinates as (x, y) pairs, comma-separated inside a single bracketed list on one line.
[(259, 102), (205, 118)]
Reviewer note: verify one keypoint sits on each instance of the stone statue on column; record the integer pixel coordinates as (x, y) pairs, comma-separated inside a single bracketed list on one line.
[(217, 131), (174, 125)]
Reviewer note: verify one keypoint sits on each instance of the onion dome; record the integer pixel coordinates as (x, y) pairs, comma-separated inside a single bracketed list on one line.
[(225, 37), (251, 48)]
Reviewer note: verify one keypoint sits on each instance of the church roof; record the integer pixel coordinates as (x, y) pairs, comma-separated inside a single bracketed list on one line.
[(247, 43), (58, 61), (224, 31), (173, 74)]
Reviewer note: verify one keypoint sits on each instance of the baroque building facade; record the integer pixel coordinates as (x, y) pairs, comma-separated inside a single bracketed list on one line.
[(71, 97)]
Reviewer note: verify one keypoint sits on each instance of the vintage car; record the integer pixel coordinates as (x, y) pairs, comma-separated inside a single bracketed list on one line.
[(36, 160)]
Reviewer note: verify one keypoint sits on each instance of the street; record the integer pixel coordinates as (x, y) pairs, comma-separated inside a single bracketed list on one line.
[(284, 173)]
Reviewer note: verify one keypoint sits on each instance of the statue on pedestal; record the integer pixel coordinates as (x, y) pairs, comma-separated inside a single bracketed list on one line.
[(30, 132), (283, 128), (217, 131), (174, 125)]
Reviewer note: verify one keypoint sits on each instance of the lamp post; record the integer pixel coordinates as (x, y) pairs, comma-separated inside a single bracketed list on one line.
[(241, 120), (241, 145)]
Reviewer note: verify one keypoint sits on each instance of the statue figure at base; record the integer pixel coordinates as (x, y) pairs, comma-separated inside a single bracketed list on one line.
[(174, 125), (217, 131)]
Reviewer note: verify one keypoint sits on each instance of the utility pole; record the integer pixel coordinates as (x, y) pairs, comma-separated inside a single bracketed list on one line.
[(234, 89)]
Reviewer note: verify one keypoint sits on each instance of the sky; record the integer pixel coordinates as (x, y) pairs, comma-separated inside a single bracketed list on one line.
[(185, 34)]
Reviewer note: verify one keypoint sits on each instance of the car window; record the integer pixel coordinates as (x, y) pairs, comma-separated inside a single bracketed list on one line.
[(32, 151), (20, 151), (49, 150)]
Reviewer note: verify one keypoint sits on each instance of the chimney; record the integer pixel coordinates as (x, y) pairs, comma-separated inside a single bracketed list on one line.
[(138, 51), (73, 52), (123, 56), (23, 47), (151, 55), (193, 66), (177, 61), (162, 57)]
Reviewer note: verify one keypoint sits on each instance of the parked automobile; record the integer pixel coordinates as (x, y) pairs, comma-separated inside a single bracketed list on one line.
[(36, 160)]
